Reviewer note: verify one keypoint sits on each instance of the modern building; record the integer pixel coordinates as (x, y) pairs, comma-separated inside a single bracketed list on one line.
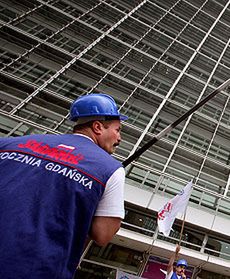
[(157, 58)]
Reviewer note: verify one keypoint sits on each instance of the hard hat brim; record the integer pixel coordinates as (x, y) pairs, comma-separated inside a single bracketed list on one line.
[(99, 117), (123, 117)]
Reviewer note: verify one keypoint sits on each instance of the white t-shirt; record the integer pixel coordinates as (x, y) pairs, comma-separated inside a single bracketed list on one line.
[(168, 276), (112, 200)]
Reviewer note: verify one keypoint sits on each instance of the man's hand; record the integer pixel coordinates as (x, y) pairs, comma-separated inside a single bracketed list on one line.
[(183, 275)]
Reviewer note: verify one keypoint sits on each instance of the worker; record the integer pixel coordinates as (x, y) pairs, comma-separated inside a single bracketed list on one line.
[(56, 190), (181, 265)]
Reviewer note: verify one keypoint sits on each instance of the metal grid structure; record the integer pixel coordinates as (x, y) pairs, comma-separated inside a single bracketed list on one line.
[(156, 58)]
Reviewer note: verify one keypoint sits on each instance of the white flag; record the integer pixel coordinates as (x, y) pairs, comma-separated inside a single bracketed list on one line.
[(124, 275), (167, 214)]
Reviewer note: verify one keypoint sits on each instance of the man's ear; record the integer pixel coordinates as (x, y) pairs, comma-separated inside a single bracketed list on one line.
[(97, 127)]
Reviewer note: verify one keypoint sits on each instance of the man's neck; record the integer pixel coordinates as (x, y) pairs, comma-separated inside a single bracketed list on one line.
[(85, 134)]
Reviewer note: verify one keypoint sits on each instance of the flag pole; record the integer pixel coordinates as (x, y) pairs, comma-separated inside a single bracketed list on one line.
[(169, 128), (182, 227), (183, 222), (88, 244)]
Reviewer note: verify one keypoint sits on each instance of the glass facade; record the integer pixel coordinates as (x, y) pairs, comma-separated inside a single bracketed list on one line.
[(157, 59)]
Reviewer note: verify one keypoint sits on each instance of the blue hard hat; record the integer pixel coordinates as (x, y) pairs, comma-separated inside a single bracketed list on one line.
[(182, 262), (95, 104)]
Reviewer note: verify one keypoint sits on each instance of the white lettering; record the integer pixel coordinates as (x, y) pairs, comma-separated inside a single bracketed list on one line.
[(71, 174), (89, 184), (63, 171), (30, 160), (19, 158), (4, 155), (83, 180), (36, 163), (77, 176), (49, 166), (59, 169), (12, 155), (56, 168)]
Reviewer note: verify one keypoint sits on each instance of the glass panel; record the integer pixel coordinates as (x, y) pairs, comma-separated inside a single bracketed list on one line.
[(90, 270), (6, 14), (224, 205), (139, 221), (6, 125), (116, 256), (191, 238), (218, 248)]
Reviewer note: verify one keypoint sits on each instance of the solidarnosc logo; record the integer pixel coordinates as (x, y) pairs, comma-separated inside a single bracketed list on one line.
[(62, 152)]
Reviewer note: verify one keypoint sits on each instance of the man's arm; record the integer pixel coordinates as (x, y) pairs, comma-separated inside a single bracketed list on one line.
[(172, 259), (110, 211), (103, 229)]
